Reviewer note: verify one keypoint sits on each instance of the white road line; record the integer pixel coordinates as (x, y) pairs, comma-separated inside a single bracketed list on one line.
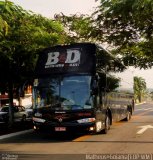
[(15, 134), (144, 128), (151, 110), (146, 109), (143, 109), (139, 109)]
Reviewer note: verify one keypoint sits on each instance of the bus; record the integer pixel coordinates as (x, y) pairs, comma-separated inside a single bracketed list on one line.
[(73, 90)]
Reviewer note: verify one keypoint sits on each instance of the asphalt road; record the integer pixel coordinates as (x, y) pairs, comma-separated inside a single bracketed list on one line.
[(132, 140)]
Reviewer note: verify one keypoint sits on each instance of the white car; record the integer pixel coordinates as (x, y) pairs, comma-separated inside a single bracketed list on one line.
[(19, 113), (3, 117), (29, 111)]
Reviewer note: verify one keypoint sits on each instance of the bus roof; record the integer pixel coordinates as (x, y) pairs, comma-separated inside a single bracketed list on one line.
[(77, 58), (67, 59)]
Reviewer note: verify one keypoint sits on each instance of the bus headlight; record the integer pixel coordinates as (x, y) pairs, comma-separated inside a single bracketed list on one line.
[(40, 120), (86, 120)]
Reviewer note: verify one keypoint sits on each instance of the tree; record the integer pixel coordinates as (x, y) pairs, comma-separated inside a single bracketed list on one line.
[(125, 25), (128, 26), (78, 26), (3, 27), (151, 95), (139, 88), (22, 35), (108, 83)]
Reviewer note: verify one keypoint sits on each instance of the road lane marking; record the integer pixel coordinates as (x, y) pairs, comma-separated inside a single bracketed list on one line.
[(147, 109), (15, 134), (143, 109), (144, 128), (141, 114), (139, 109)]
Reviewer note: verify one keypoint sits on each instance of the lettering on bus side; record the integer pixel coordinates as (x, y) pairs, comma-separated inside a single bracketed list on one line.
[(69, 58)]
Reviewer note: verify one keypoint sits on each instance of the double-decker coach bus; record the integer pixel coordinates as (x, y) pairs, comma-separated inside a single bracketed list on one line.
[(72, 90)]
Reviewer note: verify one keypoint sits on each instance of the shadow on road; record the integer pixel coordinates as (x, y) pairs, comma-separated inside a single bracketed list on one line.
[(34, 137), (16, 127), (58, 138)]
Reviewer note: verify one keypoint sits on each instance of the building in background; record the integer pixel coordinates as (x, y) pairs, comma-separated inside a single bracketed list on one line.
[(4, 99), (26, 98)]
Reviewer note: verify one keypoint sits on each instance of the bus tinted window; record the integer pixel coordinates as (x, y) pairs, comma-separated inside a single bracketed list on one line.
[(71, 92)]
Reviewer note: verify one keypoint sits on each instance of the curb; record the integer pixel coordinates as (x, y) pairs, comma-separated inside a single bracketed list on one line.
[(15, 134), (140, 103)]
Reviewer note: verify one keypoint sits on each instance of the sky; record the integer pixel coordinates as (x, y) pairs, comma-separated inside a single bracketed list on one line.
[(49, 8), (127, 77)]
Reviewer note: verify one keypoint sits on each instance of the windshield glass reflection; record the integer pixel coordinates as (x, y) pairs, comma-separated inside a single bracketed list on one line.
[(68, 93)]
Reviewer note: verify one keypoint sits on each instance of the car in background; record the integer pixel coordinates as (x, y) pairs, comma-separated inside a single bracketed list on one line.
[(3, 117), (29, 110), (19, 113)]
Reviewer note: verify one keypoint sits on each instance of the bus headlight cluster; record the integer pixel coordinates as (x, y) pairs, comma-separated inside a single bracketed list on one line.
[(86, 120)]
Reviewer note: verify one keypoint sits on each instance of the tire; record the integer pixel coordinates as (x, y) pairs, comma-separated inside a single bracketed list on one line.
[(128, 117), (107, 125)]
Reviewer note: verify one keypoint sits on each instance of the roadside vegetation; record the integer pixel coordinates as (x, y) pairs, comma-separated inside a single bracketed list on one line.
[(22, 35), (140, 89), (125, 26)]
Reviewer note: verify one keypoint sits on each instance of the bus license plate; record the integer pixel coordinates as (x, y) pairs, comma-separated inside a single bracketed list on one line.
[(60, 129)]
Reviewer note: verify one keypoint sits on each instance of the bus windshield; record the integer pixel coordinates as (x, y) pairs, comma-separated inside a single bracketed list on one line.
[(64, 92)]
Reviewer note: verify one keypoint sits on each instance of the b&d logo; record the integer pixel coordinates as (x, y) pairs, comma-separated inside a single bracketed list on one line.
[(69, 58)]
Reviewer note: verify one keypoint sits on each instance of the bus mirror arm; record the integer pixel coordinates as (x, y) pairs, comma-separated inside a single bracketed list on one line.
[(107, 89), (94, 91), (104, 89), (94, 88)]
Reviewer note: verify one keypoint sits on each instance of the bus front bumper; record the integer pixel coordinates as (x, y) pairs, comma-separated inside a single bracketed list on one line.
[(64, 127)]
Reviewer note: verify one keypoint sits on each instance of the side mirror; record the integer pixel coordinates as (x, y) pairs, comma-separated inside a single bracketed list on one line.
[(94, 88)]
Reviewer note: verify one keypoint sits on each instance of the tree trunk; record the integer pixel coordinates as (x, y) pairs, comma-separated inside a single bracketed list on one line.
[(140, 98), (11, 117)]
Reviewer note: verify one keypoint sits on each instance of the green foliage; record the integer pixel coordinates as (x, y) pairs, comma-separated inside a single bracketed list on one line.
[(3, 27), (22, 34), (108, 82), (113, 83), (78, 27), (128, 25), (125, 25), (107, 61)]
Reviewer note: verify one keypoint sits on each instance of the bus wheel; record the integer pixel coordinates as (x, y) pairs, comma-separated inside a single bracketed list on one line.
[(107, 125), (128, 116)]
